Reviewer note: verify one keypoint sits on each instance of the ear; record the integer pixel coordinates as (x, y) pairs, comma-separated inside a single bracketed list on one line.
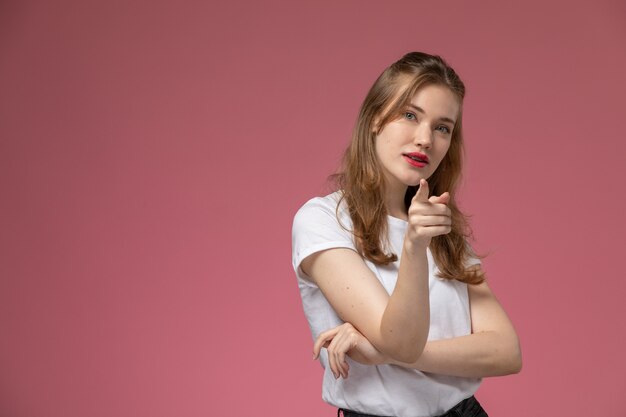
[(376, 125)]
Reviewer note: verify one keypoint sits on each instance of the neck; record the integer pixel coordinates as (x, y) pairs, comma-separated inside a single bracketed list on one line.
[(394, 201)]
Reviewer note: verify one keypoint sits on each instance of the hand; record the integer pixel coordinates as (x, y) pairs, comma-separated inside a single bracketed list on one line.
[(342, 340), (428, 217)]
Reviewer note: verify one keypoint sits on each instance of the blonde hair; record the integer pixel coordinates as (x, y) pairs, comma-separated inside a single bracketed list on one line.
[(362, 182)]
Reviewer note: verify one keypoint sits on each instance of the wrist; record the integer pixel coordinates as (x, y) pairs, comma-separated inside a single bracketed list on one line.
[(415, 246)]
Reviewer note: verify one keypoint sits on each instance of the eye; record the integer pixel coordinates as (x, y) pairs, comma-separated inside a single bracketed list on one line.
[(409, 116), (444, 129)]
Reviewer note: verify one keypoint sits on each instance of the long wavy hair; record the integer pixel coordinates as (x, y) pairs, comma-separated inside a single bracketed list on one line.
[(361, 178)]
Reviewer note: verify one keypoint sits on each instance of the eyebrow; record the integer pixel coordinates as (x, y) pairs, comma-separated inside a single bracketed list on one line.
[(443, 119)]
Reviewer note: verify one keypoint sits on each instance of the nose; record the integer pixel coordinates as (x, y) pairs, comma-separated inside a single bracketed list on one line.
[(423, 136)]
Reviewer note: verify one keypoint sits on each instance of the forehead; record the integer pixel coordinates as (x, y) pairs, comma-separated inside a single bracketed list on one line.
[(437, 101)]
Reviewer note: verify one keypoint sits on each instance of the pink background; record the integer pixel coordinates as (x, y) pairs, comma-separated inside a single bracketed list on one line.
[(152, 155)]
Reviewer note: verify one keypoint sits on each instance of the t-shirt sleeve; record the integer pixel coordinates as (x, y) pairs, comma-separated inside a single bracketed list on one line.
[(316, 228)]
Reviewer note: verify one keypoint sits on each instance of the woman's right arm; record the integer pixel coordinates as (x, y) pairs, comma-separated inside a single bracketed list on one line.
[(396, 324)]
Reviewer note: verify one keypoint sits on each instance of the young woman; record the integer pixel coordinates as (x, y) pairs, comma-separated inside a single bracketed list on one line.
[(390, 287)]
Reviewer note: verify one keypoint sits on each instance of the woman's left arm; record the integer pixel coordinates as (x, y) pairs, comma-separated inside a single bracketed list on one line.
[(492, 349)]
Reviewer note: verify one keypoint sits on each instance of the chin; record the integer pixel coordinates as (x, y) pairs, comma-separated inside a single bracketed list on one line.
[(414, 182)]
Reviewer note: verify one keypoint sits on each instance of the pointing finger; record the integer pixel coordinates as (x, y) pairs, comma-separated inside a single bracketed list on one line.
[(422, 193)]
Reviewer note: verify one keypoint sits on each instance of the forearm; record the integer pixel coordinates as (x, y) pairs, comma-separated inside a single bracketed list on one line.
[(476, 355), (405, 322)]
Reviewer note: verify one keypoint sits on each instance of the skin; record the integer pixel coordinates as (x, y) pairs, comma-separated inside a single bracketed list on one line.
[(429, 133), (491, 350), (370, 315), (396, 325)]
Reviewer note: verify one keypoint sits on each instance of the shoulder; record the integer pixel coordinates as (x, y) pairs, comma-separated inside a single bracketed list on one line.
[(321, 210), (319, 225), (327, 202)]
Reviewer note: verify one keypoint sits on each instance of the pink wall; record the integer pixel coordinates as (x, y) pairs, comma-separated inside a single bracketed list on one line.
[(142, 144)]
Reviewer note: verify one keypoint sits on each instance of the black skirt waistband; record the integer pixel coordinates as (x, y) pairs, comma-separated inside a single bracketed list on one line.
[(469, 407)]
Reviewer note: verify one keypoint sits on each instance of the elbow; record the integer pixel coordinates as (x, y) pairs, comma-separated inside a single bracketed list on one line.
[(407, 357), (505, 359), (517, 367), (408, 353), (514, 360), (513, 366), (404, 346), (508, 366)]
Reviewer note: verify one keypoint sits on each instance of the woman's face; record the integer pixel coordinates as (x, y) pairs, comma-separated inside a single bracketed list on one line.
[(411, 147)]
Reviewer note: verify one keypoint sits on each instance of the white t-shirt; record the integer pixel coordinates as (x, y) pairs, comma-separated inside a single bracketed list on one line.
[(387, 390)]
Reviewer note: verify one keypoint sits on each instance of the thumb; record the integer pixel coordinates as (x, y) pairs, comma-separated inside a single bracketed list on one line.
[(442, 199), (422, 193)]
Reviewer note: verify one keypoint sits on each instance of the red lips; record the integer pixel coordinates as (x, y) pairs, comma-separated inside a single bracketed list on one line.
[(416, 159), (419, 157)]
